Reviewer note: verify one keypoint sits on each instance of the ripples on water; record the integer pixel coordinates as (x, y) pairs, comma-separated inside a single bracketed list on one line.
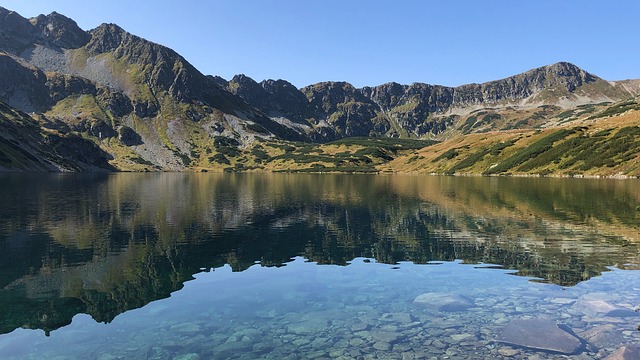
[(304, 266)]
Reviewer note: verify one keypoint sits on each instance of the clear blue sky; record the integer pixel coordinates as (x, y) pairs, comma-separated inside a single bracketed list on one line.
[(370, 42)]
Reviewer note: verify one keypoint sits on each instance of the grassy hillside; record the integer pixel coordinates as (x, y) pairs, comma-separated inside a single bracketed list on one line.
[(361, 155), (602, 142)]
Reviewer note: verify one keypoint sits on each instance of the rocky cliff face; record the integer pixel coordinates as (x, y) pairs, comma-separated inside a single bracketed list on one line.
[(23, 86), (165, 69), (275, 98), (25, 145)]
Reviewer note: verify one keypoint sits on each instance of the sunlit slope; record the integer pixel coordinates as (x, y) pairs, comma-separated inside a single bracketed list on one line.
[(606, 143)]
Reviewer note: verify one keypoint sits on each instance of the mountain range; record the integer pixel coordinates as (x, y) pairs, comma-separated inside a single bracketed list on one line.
[(76, 100)]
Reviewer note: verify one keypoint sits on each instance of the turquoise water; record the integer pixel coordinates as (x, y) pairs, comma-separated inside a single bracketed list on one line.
[(205, 266)]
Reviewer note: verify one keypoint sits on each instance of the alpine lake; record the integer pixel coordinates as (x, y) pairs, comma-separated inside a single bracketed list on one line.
[(302, 266)]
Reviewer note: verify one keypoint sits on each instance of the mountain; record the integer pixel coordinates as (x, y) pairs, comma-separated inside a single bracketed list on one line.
[(127, 83), (337, 109), (150, 109)]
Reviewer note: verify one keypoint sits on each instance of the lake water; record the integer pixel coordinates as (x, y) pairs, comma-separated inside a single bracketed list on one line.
[(277, 266)]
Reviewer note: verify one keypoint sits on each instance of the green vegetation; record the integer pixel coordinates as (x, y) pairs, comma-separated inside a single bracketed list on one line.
[(141, 161), (260, 154), (220, 159), (226, 146), (385, 143), (448, 155), (617, 109), (585, 153), (491, 117), (477, 156), (257, 128), (529, 152), (350, 155), (335, 169), (469, 124)]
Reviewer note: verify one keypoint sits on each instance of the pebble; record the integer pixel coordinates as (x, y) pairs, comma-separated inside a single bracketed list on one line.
[(508, 352)]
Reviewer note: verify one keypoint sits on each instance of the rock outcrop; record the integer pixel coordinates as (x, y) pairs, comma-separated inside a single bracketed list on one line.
[(26, 146)]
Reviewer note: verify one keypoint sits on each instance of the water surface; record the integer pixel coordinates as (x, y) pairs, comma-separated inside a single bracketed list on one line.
[(187, 266)]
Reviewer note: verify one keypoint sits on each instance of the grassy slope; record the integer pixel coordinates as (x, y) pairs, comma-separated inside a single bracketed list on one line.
[(348, 155), (604, 144)]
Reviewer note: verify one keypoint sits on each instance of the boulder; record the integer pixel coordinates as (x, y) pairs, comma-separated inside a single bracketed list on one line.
[(541, 334), (603, 336), (627, 352)]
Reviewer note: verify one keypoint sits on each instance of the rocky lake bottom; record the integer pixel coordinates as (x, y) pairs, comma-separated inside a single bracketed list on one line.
[(364, 310)]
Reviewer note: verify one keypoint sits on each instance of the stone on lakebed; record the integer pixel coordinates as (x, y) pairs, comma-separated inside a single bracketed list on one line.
[(541, 334), (627, 352), (444, 302)]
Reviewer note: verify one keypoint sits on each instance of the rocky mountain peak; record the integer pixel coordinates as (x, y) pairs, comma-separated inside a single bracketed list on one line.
[(60, 30), (286, 99), (560, 76), (244, 80), (219, 80), (16, 32), (276, 85), (106, 38), (562, 73), (333, 91), (249, 90), (165, 70), (284, 90)]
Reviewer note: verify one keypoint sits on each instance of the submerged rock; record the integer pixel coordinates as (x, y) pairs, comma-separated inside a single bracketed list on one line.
[(444, 302), (191, 356), (627, 352), (308, 327), (603, 336), (593, 307), (541, 334)]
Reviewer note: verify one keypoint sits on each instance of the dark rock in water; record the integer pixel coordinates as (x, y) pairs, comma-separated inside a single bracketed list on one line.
[(541, 334), (627, 352), (444, 302)]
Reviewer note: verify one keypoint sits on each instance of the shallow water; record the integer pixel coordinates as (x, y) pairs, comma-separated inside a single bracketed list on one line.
[(188, 266)]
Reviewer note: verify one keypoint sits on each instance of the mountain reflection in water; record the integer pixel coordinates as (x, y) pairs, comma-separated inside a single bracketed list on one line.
[(103, 244)]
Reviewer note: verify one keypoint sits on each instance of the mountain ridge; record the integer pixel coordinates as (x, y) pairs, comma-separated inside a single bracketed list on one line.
[(156, 111)]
